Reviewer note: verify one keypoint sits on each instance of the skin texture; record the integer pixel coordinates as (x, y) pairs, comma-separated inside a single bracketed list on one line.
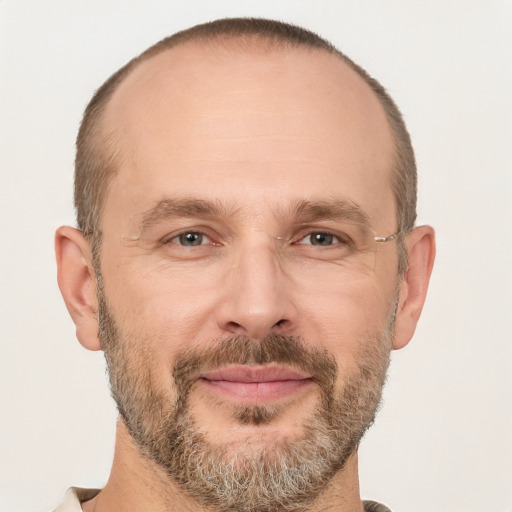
[(252, 135)]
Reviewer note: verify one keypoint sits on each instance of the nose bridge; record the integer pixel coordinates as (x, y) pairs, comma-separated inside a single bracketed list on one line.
[(256, 300), (258, 273)]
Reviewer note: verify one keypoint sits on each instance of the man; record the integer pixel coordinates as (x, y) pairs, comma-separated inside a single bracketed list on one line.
[(247, 259)]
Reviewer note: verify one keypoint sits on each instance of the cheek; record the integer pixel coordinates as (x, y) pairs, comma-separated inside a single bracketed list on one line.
[(173, 306), (159, 303), (346, 315)]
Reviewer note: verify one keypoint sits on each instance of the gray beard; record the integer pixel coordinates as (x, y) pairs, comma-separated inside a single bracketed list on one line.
[(285, 475)]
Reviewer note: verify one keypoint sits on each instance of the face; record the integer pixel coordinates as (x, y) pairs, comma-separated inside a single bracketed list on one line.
[(246, 309)]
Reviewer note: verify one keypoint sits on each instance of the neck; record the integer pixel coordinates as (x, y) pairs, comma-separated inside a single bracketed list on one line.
[(139, 485)]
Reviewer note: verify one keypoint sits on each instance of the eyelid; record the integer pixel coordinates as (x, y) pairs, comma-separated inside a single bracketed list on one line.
[(343, 238), (302, 232), (167, 239)]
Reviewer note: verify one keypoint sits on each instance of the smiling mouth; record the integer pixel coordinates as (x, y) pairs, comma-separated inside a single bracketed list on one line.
[(255, 384)]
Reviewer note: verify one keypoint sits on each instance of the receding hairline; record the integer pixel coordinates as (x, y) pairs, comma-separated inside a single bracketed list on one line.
[(109, 139), (222, 45)]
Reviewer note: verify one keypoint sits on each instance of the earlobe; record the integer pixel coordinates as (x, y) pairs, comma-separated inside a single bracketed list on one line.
[(77, 283), (421, 249)]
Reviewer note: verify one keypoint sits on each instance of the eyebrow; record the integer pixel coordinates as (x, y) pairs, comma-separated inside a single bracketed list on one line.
[(169, 208), (336, 209), (302, 211)]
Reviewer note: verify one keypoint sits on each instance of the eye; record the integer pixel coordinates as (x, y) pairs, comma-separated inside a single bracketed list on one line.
[(322, 239), (190, 239)]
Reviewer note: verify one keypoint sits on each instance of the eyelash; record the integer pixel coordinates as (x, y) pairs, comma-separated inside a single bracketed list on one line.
[(168, 239), (341, 239)]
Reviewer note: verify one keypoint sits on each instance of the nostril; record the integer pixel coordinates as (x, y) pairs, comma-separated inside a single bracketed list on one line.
[(234, 325), (280, 323)]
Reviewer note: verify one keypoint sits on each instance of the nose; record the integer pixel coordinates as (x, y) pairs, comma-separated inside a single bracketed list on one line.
[(256, 298)]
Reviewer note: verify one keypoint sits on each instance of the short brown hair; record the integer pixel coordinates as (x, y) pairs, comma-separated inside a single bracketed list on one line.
[(95, 162)]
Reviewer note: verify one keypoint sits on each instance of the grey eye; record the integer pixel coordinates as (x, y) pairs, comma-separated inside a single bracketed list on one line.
[(320, 239), (190, 239)]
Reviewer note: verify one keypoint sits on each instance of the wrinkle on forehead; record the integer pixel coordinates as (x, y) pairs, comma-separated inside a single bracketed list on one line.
[(296, 212)]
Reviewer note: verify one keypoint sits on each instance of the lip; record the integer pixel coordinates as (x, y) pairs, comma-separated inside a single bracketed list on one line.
[(255, 384)]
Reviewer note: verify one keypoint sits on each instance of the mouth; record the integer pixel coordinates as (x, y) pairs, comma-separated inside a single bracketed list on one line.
[(255, 384)]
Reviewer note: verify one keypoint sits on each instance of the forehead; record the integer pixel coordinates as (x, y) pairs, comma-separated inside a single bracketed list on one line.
[(217, 121)]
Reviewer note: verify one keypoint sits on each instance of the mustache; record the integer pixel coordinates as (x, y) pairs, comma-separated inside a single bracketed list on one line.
[(242, 350)]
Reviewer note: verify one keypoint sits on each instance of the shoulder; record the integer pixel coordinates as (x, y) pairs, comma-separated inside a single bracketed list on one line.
[(73, 497), (373, 506)]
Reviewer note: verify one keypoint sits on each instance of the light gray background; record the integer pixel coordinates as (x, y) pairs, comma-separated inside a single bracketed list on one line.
[(442, 442)]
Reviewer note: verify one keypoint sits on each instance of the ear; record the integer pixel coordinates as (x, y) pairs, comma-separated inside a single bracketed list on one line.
[(421, 250), (77, 283)]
